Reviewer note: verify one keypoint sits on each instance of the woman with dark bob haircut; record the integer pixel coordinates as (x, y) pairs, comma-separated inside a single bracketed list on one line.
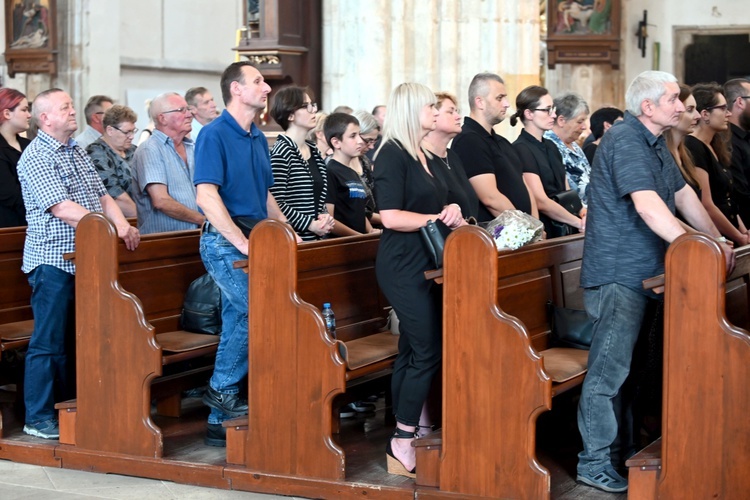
[(299, 173), (14, 119)]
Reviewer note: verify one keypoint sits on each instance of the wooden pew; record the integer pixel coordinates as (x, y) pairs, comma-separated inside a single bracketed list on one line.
[(499, 373), (296, 369), (705, 439), (127, 331), (16, 319)]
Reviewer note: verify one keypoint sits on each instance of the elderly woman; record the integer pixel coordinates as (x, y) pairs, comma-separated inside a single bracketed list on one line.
[(444, 162), (368, 131), (112, 155), (14, 119), (572, 114), (409, 194), (543, 169), (712, 159), (299, 173)]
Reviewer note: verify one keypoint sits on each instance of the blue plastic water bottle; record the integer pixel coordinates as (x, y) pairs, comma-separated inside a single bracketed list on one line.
[(330, 319)]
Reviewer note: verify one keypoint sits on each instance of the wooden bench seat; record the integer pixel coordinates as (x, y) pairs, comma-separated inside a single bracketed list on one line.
[(298, 374), (16, 318), (500, 370), (705, 439), (127, 335)]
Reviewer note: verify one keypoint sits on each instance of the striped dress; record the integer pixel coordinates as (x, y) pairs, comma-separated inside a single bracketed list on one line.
[(293, 185)]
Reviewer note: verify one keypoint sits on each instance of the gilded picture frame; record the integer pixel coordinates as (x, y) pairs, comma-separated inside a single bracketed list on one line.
[(583, 32), (30, 36)]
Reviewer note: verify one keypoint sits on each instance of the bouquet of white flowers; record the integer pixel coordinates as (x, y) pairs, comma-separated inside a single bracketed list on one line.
[(513, 229)]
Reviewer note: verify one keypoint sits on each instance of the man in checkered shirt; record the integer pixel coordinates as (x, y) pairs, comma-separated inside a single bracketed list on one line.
[(60, 185)]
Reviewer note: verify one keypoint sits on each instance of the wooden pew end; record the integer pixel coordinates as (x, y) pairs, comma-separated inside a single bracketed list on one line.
[(67, 411), (428, 459), (236, 436), (644, 469)]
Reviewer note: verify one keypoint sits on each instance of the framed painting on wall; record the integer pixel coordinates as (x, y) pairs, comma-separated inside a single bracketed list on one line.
[(583, 32), (30, 36)]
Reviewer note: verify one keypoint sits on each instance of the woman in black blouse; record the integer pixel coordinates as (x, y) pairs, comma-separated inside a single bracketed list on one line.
[(712, 158), (14, 119), (543, 169), (299, 173), (676, 135), (445, 162), (408, 194)]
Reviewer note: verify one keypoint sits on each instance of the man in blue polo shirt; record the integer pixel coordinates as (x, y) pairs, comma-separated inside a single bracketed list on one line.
[(634, 191), (232, 178)]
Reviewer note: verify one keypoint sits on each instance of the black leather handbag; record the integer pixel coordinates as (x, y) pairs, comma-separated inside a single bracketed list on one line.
[(201, 310), (571, 202), (433, 237), (570, 327)]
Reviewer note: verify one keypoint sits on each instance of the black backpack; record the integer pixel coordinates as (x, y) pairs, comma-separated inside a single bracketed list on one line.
[(201, 311)]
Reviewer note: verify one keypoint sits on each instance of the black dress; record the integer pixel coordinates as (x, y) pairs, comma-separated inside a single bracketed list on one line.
[(12, 209), (401, 183), (460, 191), (719, 177), (543, 159)]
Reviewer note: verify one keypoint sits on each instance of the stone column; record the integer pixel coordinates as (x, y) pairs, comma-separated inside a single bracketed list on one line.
[(370, 48)]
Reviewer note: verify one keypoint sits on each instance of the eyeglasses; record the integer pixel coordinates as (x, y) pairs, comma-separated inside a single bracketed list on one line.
[(745, 97), (130, 133), (369, 141), (722, 107), (312, 107), (550, 111), (183, 109)]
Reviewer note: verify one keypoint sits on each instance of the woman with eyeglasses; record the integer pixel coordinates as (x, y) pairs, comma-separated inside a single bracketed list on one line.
[(112, 155), (712, 156), (445, 162), (409, 194), (368, 131), (14, 119), (543, 169), (299, 173)]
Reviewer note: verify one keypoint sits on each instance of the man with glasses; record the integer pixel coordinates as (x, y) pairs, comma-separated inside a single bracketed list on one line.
[(202, 105), (232, 178), (492, 165), (737, 92), (94, 112), (163, 170)]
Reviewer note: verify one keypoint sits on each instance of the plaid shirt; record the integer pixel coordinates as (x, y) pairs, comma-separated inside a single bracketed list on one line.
[(51, 172)]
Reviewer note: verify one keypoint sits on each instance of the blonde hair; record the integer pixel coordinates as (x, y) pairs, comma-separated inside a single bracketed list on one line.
[(320, 120), (402, 122)]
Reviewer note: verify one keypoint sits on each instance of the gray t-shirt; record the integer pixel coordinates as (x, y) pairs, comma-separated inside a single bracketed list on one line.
[(620, 247)]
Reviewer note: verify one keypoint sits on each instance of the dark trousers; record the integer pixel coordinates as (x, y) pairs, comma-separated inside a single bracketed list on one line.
[(52, 300), (419, 351)]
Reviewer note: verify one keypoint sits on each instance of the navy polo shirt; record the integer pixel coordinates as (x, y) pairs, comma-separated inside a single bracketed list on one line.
[(238, 162), (619, 246)]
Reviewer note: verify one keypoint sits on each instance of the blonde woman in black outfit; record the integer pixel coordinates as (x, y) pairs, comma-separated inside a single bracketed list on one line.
[(408, 194), (543, 169), (299, 173), (14, 119)]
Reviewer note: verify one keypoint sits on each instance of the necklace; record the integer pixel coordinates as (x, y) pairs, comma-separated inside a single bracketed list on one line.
[(445, 160)]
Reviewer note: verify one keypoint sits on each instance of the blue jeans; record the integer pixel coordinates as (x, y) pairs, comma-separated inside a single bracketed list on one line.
[(617, 312), (231, 357), (52, 299)]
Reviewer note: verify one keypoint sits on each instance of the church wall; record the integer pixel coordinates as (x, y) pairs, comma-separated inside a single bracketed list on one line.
[(135, 48)]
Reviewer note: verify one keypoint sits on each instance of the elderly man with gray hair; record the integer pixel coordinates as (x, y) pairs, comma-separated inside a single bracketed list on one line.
[(634, 191), (163, 170)]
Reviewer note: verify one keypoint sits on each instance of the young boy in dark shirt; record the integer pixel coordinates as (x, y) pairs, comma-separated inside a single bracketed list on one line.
[(346, 198)]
